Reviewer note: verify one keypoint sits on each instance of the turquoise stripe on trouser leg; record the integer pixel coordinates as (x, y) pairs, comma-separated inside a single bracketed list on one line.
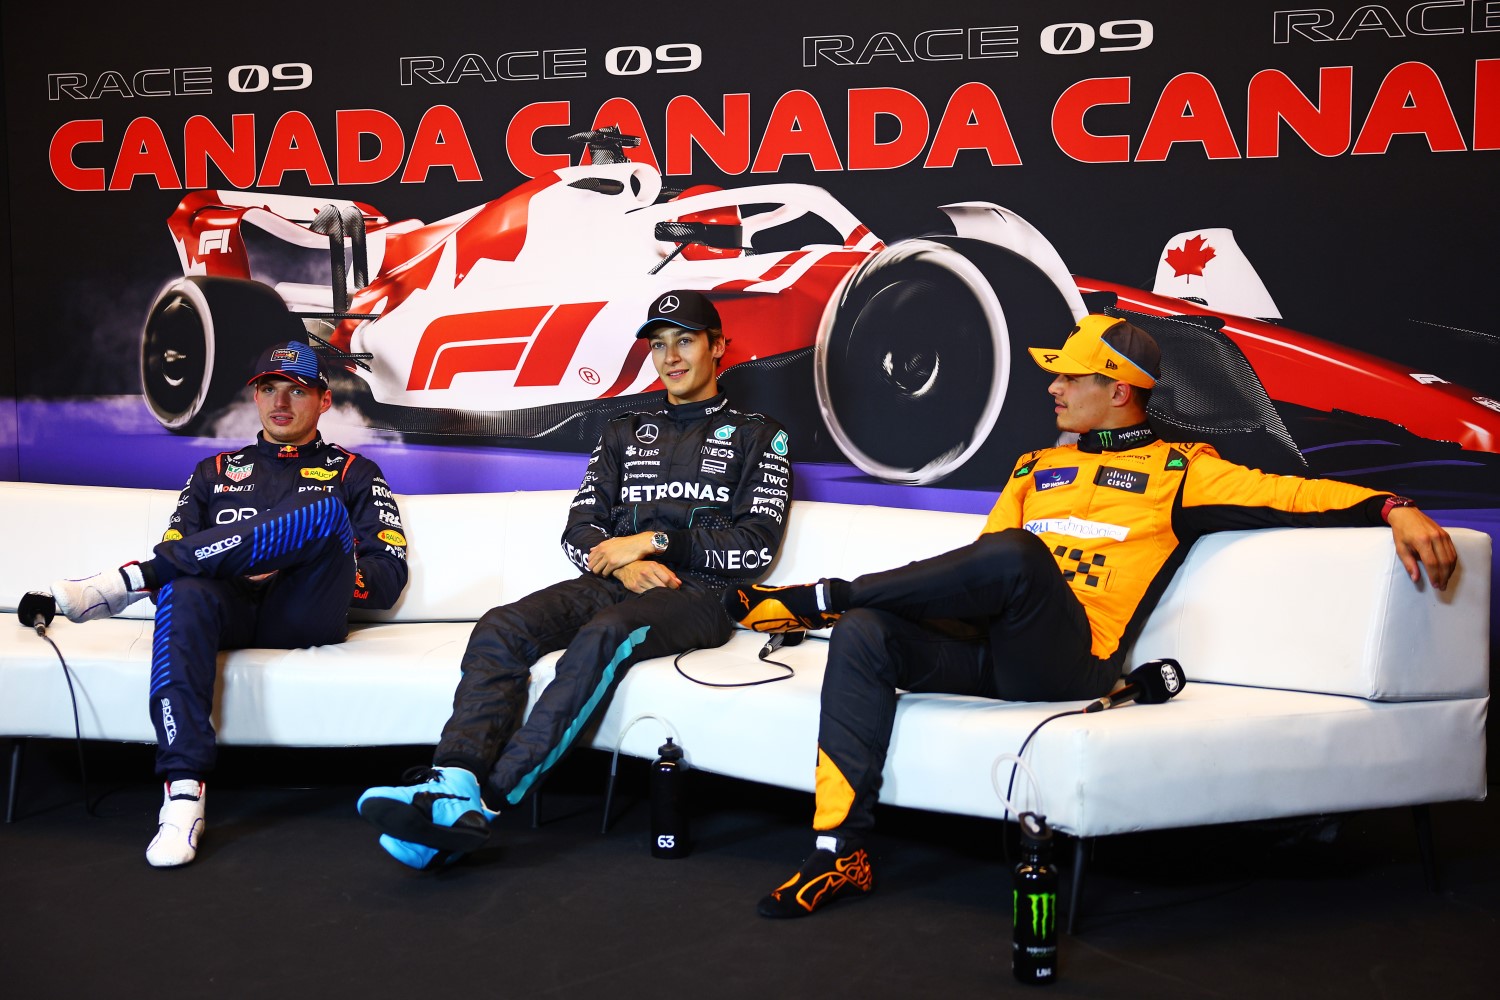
[(659, 622)]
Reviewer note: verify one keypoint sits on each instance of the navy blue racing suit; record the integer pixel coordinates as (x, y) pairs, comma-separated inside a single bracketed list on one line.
[(718, 483), (320, 520)]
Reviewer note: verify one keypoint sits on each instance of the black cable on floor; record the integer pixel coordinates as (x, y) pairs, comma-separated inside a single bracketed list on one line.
[(88, 807)]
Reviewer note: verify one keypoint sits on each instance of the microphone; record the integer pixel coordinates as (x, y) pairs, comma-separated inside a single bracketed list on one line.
[(37, 609), (1151, 683), (779, 639)]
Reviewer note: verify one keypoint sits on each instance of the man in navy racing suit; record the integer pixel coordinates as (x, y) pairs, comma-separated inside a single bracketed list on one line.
[(1045, 605), (269, 546), (675, 504)]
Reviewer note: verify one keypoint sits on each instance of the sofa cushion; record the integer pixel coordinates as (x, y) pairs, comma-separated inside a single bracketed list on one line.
[(1325, 610)]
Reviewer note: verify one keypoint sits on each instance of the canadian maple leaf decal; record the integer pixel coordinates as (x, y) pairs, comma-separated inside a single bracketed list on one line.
[(1191, 257)]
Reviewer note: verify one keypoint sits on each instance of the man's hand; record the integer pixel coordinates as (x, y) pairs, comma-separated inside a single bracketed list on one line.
[(1421, 540), (612, 553), (646, 574)]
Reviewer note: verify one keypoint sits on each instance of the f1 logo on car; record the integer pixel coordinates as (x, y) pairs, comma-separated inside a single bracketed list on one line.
[(211, 240), (537, 340)]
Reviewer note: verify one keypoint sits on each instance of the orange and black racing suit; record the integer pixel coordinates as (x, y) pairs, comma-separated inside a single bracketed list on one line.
[(1044, 605)]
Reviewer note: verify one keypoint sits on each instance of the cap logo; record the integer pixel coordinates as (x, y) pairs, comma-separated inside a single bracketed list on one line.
[(283, 355), (670, 303), (1110, 364), (1050, 357)]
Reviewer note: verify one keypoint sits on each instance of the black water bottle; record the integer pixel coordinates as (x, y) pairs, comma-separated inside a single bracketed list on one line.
[(1034, 905), (669, 822)]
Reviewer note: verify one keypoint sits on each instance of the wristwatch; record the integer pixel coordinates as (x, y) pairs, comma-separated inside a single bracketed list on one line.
[(1391, 503), (659, 539)]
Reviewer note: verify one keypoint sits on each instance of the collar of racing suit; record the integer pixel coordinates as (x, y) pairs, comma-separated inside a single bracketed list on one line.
[(273, 450), (685, 412), (1116, 439)]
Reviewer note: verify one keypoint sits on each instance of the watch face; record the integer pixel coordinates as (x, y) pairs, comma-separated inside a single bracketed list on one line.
[(659, 541)]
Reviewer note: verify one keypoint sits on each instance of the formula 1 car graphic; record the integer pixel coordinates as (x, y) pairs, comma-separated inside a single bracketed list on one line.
[(513, 321)]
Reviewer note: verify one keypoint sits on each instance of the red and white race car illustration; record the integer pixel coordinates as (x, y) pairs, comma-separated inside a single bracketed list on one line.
[(514, 321)]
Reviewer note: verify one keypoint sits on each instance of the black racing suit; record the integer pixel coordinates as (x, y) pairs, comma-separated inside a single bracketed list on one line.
[(718, 483), (321, 520), (1044, 605)]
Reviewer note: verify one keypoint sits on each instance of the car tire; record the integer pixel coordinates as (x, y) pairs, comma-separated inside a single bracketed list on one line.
[(913, 360), (200, 339)]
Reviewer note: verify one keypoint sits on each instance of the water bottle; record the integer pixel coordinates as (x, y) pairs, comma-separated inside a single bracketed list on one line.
[(669, 822), (1034, 905)]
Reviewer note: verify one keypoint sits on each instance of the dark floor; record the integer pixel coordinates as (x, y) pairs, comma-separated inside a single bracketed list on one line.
[(291, 897)]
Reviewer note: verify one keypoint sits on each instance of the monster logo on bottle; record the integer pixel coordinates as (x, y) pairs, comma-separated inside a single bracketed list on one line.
[(1043, 911)]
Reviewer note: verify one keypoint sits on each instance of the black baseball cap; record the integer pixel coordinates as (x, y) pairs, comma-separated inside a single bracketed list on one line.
[(684, 308), (292, 360)]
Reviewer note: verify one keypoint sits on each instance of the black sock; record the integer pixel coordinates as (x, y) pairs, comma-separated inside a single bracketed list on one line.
[(836, 593), (148, 575)]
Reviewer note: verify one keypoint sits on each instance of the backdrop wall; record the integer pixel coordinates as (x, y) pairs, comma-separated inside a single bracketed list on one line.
[(1346, 155)]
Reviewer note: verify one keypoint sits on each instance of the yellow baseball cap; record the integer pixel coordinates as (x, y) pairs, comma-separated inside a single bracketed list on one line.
[(1104, 345)]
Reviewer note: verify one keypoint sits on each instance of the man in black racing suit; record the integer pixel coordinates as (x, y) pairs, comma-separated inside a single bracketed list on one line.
[(675, 504), (1046, 603), (268, 547)]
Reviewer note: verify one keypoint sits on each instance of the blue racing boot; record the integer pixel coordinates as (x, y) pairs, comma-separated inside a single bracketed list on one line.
[(441, 810), (415, 855)]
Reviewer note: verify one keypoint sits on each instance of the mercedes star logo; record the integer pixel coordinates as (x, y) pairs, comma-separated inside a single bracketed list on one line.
[(646, 433), (669, 303)]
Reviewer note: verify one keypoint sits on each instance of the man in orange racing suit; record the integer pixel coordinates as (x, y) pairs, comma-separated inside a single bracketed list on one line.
[(1043, 606)]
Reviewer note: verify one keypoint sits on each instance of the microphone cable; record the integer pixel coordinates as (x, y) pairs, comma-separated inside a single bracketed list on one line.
[(83, 777), (1136, 688), (775, 642), (1018, 762)]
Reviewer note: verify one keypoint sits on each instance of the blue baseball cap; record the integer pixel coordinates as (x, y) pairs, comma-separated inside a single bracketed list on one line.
[(294, 361)]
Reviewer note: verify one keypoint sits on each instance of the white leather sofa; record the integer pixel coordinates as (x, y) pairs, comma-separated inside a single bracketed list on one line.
[(1320, 678)]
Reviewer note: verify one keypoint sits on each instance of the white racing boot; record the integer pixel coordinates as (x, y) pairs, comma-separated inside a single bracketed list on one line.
[(181, 830)]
